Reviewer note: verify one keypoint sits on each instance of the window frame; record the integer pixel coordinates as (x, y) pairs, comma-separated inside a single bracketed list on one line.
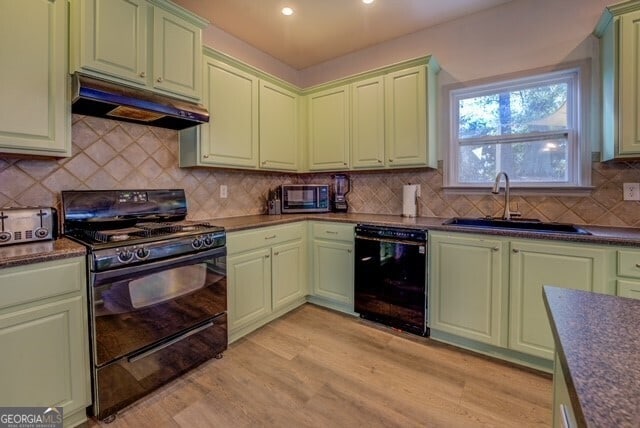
[(578, 134)]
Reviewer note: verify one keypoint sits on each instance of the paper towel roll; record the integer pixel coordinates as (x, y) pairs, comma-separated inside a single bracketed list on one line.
[(410, 194)]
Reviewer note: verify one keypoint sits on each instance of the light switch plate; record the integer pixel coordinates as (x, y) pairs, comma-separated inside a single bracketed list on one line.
[(223, 191), (631, 191)]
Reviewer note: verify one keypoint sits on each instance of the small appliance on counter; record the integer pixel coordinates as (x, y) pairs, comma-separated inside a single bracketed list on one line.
[(19, 225), (341, 187), (305, 198), (273, 202)]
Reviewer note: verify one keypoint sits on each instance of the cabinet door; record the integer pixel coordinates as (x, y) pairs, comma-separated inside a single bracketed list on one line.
[(177, 55), (329, 129), (468, 292), (287, 274), (333, 271), (249, 287), (629, 84), (113, 38), (406, 117), (231, 136), (44, 359), (34, 112), (367, 123), (534, 265), (278, 128)]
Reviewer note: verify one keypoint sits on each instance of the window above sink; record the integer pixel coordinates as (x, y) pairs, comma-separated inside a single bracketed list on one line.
[(531, 126)]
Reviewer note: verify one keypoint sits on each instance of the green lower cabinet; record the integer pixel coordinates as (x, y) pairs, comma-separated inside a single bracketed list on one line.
[(249, 287), (468, 287), (288, 274), (626, 288), (535, 264), (266, 275), (563, 416), (332, 264), (44, 337)]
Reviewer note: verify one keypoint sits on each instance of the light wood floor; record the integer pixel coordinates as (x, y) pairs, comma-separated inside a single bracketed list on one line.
[(318, 368)]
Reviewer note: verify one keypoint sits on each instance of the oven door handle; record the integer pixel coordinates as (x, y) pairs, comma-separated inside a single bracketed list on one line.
[(392, 240), (135, 271), (160, 347)]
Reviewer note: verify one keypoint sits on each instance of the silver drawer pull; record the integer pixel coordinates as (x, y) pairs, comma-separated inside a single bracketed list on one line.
[(276, 254), (270, 237), (331, 232)]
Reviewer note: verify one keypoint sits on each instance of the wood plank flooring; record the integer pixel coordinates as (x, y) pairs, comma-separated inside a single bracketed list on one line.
[(318, 368)]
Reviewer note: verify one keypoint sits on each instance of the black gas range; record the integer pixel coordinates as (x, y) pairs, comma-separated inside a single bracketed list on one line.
[(157, 290)]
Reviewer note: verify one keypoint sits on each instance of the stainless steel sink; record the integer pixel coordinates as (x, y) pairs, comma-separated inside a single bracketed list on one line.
[(530, 225)]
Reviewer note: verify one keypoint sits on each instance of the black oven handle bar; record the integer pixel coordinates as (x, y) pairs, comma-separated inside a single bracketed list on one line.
[(391, 240), (135, 271), (168, 343)]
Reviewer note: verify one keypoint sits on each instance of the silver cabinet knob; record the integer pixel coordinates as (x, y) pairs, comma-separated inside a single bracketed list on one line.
[(143, 74), (206, 156), (390, 160), (496, 248), (275, 254), (638, 265), (266, 256), (379, 161), (159, 79), (515, 251)]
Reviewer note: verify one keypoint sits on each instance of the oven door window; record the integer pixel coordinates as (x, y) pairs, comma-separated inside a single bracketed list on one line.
[(136, 312)]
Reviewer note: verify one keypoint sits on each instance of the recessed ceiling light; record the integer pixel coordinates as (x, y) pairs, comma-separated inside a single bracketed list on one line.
[(367, 1), (287, 11)]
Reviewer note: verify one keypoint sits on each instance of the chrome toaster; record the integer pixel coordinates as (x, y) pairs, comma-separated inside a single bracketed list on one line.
[(26, 224)]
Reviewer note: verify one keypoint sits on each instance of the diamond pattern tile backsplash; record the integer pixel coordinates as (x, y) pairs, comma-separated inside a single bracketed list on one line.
[(116, 155)]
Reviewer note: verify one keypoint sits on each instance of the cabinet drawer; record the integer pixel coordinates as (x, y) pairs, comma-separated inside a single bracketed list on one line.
[(238, 242), (630, 289), (629, 263), (333, 231), (22, 284)]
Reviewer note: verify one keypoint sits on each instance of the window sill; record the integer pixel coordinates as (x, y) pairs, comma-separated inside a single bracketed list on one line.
[(520, 191)]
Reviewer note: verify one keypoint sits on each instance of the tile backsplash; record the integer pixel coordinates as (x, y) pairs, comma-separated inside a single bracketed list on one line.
[(110, 155)]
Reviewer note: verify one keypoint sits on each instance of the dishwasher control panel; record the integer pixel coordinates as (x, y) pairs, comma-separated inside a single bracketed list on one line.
[(395, 233)]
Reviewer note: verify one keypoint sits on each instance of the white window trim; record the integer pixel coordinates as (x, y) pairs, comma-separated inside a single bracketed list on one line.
[(580, 162)]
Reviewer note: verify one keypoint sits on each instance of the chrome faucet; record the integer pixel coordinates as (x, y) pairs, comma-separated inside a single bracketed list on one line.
[(506, 214)]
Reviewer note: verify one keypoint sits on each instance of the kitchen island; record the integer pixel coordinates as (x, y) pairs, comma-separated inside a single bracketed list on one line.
[(597, 340)]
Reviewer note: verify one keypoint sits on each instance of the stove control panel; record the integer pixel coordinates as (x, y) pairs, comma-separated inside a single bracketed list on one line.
[(110, 258)]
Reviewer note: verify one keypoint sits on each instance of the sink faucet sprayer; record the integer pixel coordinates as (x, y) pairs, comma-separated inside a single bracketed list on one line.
[(506, 214)]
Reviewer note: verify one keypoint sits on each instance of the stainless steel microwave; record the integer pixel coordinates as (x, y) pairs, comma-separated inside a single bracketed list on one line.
[(305, 198)]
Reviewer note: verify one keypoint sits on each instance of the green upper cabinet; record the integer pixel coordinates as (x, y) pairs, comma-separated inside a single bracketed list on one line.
[(231, 136), (367, 124), (254, 120), (177, 55), (35, 117), (406, 117), (278, 128), (329, 129), (469, 292), (151, 44), (535, 264), (619, 32)]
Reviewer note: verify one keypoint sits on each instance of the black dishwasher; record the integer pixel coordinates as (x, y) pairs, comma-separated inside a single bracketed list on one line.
[(391, 276)]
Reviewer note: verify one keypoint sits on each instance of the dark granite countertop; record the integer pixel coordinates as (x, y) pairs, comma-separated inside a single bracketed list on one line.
[(40, 251), (13, 255), (624, 236), (598, 342)]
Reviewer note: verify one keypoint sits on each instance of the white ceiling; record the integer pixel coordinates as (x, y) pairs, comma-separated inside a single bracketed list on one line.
[(321, 30)]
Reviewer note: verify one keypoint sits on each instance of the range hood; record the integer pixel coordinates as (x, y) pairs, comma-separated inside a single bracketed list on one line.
[(97, 97)]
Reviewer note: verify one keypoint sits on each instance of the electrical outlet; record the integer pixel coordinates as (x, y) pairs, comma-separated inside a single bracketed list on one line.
[(631, 191), (223, 191)]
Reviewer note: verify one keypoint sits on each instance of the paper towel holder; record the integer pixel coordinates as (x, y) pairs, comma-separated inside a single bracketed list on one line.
[(410, 195)]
